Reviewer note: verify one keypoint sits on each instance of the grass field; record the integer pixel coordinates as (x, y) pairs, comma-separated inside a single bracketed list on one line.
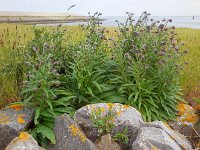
[(190, 77), (14, 40)]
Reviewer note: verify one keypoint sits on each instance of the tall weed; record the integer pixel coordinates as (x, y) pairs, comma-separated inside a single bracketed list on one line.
[(146, 54)]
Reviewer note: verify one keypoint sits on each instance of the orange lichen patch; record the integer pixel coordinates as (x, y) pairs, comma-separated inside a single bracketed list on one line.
[(16, 106), (110, 105), (181, 108), (77, 132), (187, 114), (191, 118), (20, 119), (24, 136), (125, 106), (4, 119)]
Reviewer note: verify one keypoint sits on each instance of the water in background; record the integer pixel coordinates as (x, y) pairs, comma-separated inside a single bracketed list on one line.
[(178, 21), (187, 22)]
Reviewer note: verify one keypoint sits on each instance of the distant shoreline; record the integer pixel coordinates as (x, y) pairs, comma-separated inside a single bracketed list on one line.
[(40, 17), (41, 20)]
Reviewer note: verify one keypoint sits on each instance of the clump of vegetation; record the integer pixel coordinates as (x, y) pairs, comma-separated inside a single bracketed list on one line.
[(88, 66), (122, 137), (147, 55), (138, 68), (11, 63), (14, 43), (104, 122), (42, 89)]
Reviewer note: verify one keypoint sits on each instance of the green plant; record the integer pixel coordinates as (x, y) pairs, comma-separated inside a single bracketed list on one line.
[(104, 123), (89, 67), (196, 100), (11, 66), (122, 137), (147, 55), (41, 88)]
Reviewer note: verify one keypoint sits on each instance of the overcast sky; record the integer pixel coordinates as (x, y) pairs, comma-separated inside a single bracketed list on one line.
[(107, 7)]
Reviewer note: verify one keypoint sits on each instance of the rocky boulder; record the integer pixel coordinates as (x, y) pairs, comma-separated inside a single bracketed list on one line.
[(154, 138), (106, 143), (13, 120), (69, 135), (176, 136), (122, 116), (187, 122), (23, 142)]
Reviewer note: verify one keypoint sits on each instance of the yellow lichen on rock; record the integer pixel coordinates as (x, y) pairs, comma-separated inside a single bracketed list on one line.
[(77, 132), (102, 109), (119, 112), (24, 136), (20, 119), (4, 119), (110, 105), (125, 106), (187, 114), (16, 106)]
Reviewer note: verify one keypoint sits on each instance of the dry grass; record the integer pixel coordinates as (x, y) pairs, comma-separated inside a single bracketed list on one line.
[(190, 77)]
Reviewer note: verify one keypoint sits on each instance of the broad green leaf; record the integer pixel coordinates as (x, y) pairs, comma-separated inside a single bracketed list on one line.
[(131, 96), (49, 124), (63, 92), (49, 103), (97, 85), (90, 91), (60, 103), (46, 92), (28, 99), (67, 98), (46, 131), (64, 109), (136, 96), (151, 101), (37, 115), (46, 114)]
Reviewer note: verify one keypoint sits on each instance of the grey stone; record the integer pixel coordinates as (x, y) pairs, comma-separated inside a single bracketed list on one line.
[(69, 135), (13, 120), (123, 116), (176, 136), (186, 130), (23, 142), (154, 138), (197, 129), (106, 143), (132, 131)]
